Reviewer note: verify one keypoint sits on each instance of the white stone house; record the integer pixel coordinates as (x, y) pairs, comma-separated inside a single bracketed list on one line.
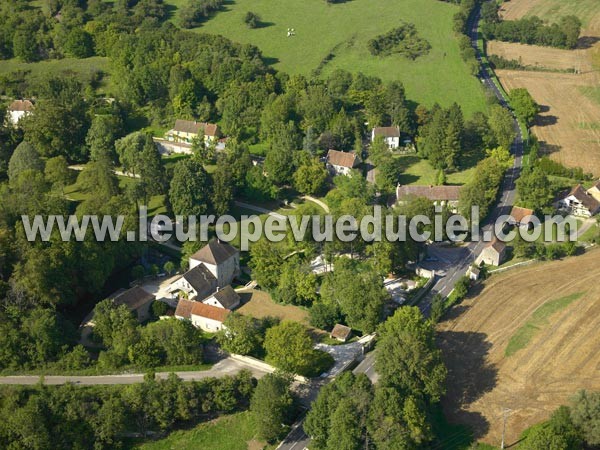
[(185, 131), (17, 110), (390, 135), (206, 317), (341, 163), (493, 254), (440, 195), (196, 283), (221, 259), (579, 202)]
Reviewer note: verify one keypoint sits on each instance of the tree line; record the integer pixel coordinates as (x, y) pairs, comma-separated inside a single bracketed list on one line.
[(69, 417), (532, 30)]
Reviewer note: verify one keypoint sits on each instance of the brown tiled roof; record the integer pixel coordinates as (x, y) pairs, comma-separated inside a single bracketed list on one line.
[(184, 308), (386, 131), (497, 245), (341, 332), (187, 126), (519, 214), (342, 159), (226, 297), (21, 105), (211, 129), (193, 127), (215, 252), (448, 193), (584, 198), (201, 279), (210, 312), (133, 298)]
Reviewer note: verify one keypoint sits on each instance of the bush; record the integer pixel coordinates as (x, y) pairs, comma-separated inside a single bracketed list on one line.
[(159, 308), (403, 40), (252, 20)]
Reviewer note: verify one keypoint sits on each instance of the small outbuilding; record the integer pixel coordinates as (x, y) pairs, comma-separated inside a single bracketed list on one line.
[(473, 273), (137, 300), (521, 217), (341, 332)]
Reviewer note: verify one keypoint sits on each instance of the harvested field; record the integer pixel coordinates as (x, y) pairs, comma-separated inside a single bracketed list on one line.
[(259, 304), (568, 126), (555, 349), (550, 10), (542, 57)]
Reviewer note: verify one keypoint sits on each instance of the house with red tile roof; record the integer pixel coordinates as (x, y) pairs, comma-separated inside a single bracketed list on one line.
[(341, 163)]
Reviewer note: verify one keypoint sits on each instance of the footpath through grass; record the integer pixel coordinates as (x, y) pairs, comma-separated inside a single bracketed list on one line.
[(539, 319)]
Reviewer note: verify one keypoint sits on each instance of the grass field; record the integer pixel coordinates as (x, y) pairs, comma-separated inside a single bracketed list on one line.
[(548, 315), (259, 304), (233, 432), (343, 30), (539, 320), (83, 68)]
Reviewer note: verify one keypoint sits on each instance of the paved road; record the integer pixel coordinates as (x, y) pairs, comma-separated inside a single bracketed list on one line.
[(224, 367), (458, 259), (465, 255)]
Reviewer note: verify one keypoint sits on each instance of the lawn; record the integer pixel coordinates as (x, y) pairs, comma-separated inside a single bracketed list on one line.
[(332, 36), (83, 68), (232, 432), (259, 304), (538, 320), (419, 171)]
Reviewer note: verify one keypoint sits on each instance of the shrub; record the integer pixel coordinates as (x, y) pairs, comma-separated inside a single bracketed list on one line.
[(252, 20), (159, 308), (403, 40)]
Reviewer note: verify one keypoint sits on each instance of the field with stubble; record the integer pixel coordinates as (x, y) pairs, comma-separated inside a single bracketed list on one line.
[(547, 319), (567, 85)]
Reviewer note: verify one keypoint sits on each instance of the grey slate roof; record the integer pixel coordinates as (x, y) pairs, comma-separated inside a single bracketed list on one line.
[(227, 297), (214, 252), (201, 279)]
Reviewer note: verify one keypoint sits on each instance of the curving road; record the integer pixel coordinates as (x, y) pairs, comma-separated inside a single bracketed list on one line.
[(458, 259)]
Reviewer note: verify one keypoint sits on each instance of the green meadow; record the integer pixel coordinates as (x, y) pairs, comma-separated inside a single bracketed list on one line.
[(334, 36)]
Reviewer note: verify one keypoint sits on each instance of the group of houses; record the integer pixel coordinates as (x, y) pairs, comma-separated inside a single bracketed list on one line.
[(342, 163), (203, 295)]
